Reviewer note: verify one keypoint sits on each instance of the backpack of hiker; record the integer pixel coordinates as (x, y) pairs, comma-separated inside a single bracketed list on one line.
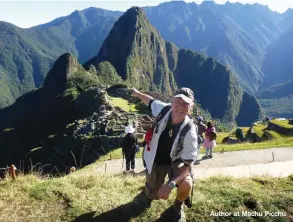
[(211, 133), (201, 129)]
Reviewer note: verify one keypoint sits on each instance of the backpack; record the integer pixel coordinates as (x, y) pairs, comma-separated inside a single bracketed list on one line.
[(137, 148), (186, 128), (212, 135)]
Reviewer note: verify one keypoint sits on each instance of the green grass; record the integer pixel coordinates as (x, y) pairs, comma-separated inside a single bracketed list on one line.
[(283, 142), (221, 136), (244, 130), (90, 197), (274, 135), (259, 129), (283, 123), (280, 142), (123, 104)]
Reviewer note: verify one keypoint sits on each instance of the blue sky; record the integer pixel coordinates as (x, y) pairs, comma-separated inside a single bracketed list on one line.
[(30, 13)]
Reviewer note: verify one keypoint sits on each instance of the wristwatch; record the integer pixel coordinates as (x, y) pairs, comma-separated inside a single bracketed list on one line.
[(172, 184)]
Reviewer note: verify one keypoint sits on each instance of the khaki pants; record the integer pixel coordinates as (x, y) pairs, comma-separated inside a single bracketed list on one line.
[(156, 178)]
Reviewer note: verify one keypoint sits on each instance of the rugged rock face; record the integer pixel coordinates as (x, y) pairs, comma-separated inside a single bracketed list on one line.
[(250, 110), (213, 84), (277, 65), (234, 34), (148, 62), (57, 78), (137, 52)]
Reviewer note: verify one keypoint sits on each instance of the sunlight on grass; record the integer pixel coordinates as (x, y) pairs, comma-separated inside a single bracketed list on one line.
[(221, 136), (76, 197), (123, 104), (259, 129), (244, 130), (282, 123), (274, 135), (283, 142)]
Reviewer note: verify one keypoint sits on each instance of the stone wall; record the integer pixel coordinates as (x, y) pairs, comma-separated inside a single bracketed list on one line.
[(89, 102)]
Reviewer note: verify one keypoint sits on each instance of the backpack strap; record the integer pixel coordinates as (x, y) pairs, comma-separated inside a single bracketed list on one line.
[(182, 135), (161, 115)]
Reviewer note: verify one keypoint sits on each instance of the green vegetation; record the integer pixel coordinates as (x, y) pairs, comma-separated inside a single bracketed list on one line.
[(283, 123), (274, 134), (123, 104), (282, 107), (259, 129), (81, 81), (283, 142), (86, 195), (28, 54), (107, 74)]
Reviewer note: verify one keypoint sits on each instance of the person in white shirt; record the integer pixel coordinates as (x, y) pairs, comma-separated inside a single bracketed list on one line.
[(164, 154)]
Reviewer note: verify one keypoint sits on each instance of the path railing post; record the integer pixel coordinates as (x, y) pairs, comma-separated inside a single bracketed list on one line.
[(12, 171)]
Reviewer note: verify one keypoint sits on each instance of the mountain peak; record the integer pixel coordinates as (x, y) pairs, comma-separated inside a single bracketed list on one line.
[(137, 52), (61, 71), (126, 28), (288, 11), (134, 10), (134, 14), (209, 4)]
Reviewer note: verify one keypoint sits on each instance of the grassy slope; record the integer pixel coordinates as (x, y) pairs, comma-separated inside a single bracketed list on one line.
[(283, 123), (123, 104), (30, 198)]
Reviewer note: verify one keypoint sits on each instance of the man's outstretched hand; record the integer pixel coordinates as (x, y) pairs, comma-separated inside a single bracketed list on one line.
[(143, 97), (135, 92)]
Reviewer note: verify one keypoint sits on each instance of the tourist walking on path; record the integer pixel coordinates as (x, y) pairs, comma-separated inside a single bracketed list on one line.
[(210, 140), (129, 148), (170, 150), (201, 130)]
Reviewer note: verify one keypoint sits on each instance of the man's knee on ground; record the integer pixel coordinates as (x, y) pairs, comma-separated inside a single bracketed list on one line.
[(185, 185), (183, 190)]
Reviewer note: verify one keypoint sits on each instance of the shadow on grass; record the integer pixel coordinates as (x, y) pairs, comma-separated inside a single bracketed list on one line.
[(122, 213)]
